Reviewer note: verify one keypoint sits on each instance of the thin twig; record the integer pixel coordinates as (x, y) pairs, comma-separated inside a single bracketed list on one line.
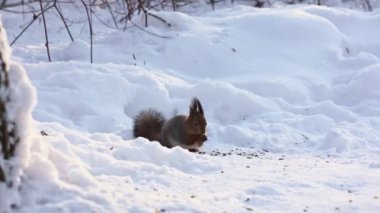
[(19, 12), (2, 175), (63, 20), (141, 6), (91, 32), (140, 28), (46, 34), (30, 23), (174, 3), (4, 4), (269, 3), (106, 24), (111, 13), (130, 9), (212, 4), (28, 3), (159, 18), (23, 30), (90, 25), (368, 4)]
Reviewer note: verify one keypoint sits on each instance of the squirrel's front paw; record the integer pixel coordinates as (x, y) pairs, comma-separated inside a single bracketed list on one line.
[(203, 138)]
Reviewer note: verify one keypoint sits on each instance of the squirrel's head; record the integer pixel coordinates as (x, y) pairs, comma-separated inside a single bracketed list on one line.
[(196, 122)]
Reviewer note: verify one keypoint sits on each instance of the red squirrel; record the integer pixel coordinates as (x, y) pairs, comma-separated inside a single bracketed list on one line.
[(186, 131)]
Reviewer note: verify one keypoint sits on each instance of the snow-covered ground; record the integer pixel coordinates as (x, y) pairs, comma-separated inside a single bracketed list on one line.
[(291, 96)]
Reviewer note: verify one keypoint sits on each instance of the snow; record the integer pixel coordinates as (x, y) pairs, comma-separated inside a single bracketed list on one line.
[(290, 95), (19, 100)]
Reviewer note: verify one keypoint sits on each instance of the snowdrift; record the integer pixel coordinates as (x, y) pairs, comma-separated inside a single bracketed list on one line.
[(283, 89)]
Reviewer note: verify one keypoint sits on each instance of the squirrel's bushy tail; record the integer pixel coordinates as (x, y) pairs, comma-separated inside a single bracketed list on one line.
[(148, 124)]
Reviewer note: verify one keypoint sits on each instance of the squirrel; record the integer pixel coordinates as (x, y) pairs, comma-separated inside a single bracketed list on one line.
[(186, 131)]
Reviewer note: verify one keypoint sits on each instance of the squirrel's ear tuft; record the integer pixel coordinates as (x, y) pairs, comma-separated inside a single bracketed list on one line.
[(196, 106), (200, 109), (193, 106)]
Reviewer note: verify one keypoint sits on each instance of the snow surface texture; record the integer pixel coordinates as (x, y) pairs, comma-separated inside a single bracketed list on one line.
[(19, 108), (290, 95)]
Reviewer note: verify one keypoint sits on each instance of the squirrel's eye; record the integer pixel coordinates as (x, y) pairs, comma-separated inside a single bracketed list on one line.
[(196, 124)]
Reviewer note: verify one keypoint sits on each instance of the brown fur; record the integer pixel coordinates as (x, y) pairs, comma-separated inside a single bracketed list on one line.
[(148, 124), (189, 131)]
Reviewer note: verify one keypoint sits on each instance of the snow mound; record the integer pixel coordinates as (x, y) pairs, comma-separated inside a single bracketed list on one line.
[(269, 77), (63, 160), (290, 96), (178, 158), (19, 98), (361, 87), (77, 50), (340, 140)]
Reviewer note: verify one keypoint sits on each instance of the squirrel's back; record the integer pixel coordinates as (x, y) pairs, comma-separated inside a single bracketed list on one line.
[(173, 131), (148, 124)]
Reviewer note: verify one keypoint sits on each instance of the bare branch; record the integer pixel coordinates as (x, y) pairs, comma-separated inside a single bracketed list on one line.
[(2, 175), (174, 4), (142, 29), (35, 16), (46, 33), (141, 6), (4, 4), (368, 6), (111, 13), (90, 26), (63, 20), (161, 19)]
